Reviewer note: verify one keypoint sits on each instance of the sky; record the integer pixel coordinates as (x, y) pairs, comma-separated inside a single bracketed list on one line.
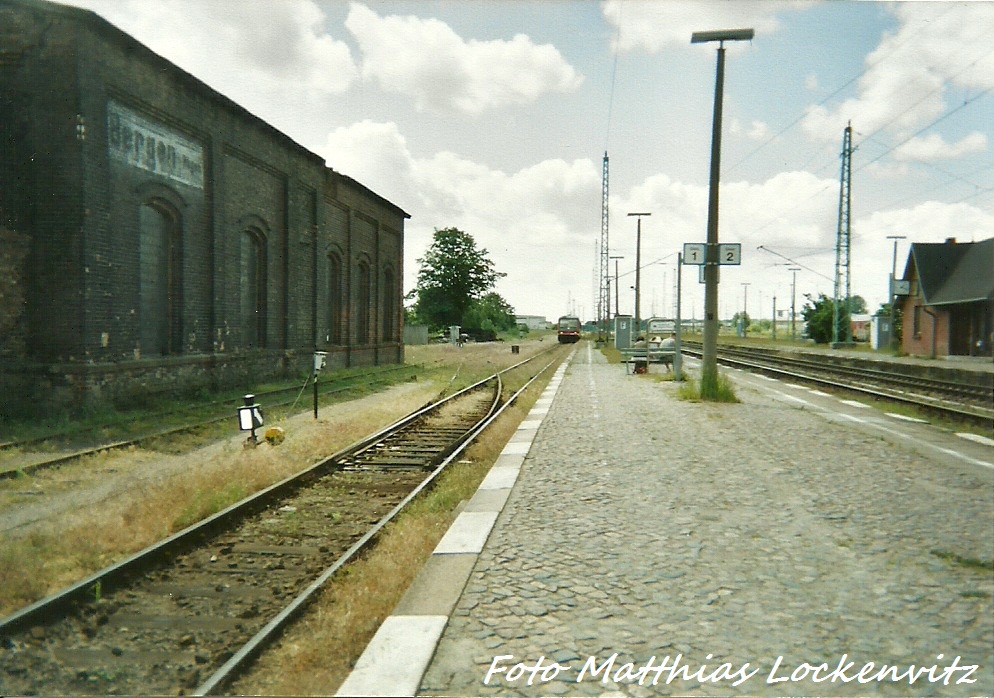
[(494, 117)]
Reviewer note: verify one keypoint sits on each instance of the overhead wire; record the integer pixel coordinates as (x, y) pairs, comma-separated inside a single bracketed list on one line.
[(835, 92), (796, 205), (614, 75)]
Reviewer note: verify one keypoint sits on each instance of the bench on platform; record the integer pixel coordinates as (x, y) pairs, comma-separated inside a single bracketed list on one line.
[(638, 360)]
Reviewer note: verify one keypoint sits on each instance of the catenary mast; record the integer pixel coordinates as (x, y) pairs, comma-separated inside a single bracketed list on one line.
[(843, 244), (604, 302)]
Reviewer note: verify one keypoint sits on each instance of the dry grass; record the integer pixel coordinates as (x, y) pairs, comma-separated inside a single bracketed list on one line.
[(62, 525), (90, 524), (319, 651)]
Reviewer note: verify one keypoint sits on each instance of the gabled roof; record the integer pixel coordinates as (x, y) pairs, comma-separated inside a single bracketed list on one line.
[(953, 272)]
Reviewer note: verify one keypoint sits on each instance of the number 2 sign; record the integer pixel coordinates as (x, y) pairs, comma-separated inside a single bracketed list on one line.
[(730, 253)]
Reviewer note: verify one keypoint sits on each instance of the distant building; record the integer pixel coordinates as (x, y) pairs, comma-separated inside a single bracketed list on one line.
[(532, 322), (948, 308), (860, 326)]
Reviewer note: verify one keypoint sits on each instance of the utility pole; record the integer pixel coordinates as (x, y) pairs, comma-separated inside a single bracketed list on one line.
[(891, 296), (773, 324), (617, 305), (677, 358), (793, 290), (709, 360), (842, 242), (745, 308), (638, 267)]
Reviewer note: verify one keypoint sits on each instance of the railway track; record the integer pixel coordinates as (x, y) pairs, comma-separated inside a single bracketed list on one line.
[(189, 614), (34, 451), (957, 400)]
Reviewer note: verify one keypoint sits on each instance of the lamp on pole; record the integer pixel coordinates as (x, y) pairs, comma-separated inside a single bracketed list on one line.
[(638, 265), (709, 359), (793, 287), (890, 291)]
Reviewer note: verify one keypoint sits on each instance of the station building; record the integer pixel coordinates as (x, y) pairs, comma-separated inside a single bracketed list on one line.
[(948, 304), (156, 237)]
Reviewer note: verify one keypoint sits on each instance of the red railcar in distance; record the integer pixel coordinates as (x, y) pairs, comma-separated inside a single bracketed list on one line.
[(568, 329)]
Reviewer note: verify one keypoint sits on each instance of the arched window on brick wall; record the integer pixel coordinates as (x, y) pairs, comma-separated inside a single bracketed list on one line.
[(389, 306), (336, 302), (160, 277), (252, 287), (364, 301)]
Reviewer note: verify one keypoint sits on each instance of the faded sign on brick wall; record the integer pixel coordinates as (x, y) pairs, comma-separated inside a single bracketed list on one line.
[(151, 146)]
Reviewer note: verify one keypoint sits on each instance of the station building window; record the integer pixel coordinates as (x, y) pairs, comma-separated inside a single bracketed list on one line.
[(252, 287), (389, 307), (159, 279), (364, 302), (335, 300)]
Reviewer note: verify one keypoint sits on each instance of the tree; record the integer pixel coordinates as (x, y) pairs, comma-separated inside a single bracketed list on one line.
[(818, 314), (491, 314), (857, 305), (453, 274), (741, 322)]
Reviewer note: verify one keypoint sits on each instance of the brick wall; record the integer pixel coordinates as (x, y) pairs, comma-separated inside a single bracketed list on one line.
[(131, 158), (14, 249)]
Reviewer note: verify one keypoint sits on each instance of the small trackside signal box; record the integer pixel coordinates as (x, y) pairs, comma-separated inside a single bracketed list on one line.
[(623, 332)]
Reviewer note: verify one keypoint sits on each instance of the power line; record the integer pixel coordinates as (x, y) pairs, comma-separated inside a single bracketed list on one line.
[(925, 96), (798, 204), (839, 89), (614, 75), (926, 127)]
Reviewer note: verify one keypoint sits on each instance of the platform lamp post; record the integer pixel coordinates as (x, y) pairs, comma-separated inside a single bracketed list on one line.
[(709, 359), (617, 296), (745, 307), (890, 291), (793, 315), (638, 269)]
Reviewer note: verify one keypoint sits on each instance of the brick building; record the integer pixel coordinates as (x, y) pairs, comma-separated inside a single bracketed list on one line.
[(157, 237), (949, 309)]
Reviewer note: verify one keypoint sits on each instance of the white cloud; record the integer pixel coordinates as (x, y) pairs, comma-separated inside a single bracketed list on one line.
[(534, 222), (906, 79), (930, 221), (427, 60), (756, 131), (934, 147), (272, 46), (652, 25)]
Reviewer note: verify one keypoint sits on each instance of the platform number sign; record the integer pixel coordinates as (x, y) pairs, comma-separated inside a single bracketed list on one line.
[(730, 253), (694, 252)]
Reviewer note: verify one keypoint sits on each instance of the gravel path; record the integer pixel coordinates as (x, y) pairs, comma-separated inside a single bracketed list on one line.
[(758, 540)]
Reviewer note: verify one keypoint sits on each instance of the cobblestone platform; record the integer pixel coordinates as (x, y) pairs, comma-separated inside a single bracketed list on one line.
[(790, 544)]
